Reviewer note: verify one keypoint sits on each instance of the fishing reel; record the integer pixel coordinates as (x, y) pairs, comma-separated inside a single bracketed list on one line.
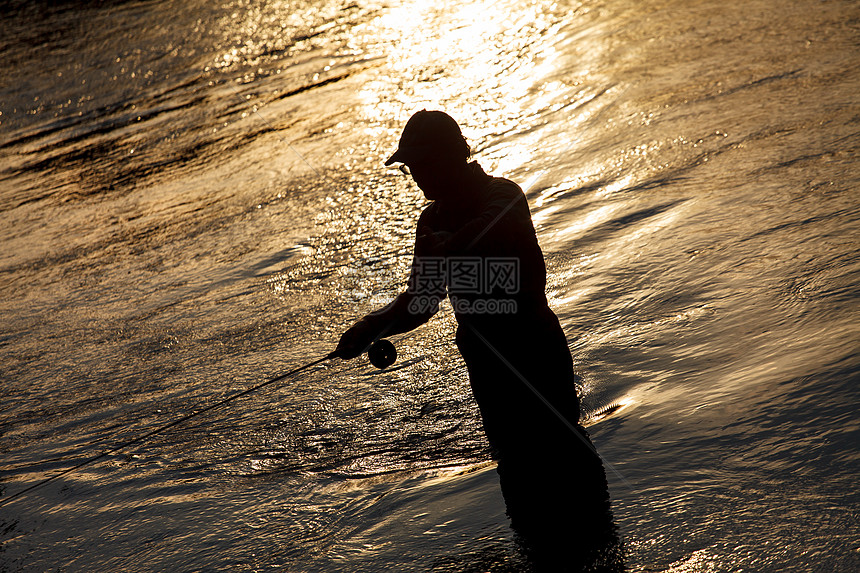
[(382, 353)]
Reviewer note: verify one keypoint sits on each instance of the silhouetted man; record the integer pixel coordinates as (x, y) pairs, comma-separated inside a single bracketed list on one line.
[(476, 244)]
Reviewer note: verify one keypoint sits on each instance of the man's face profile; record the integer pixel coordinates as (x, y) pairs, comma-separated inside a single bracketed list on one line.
[(433, 175)]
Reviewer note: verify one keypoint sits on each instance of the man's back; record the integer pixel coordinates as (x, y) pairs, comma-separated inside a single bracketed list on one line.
[(492, 255)]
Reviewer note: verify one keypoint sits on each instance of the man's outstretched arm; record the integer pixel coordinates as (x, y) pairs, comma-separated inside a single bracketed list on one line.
[(401, 315), (410, 309)]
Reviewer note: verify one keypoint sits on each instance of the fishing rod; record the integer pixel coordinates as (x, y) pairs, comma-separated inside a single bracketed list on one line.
[(381, 353)]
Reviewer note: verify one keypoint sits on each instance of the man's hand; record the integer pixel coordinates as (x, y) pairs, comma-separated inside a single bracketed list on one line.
[(357, 339)]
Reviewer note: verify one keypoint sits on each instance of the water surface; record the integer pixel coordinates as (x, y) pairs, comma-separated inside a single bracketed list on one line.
[(192, 200)]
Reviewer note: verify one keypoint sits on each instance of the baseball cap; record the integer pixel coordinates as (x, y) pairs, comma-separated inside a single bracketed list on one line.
[(425, 132)]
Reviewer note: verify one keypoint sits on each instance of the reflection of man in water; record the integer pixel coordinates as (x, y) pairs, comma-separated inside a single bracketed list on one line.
[(476, 244)]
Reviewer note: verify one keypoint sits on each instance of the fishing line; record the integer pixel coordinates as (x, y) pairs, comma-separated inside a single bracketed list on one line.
[(165, 427)]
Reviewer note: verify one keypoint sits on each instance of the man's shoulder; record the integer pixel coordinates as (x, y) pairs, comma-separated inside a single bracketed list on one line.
[(502, 185), (502, 189), (494, 184)]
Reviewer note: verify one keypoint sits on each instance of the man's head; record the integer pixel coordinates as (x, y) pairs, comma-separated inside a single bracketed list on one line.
[(435, 151)]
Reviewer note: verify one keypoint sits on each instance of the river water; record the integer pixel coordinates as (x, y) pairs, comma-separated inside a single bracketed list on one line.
[(192, 201)]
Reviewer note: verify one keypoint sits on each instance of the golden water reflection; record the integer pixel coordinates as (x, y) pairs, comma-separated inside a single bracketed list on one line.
[(488, 64)]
